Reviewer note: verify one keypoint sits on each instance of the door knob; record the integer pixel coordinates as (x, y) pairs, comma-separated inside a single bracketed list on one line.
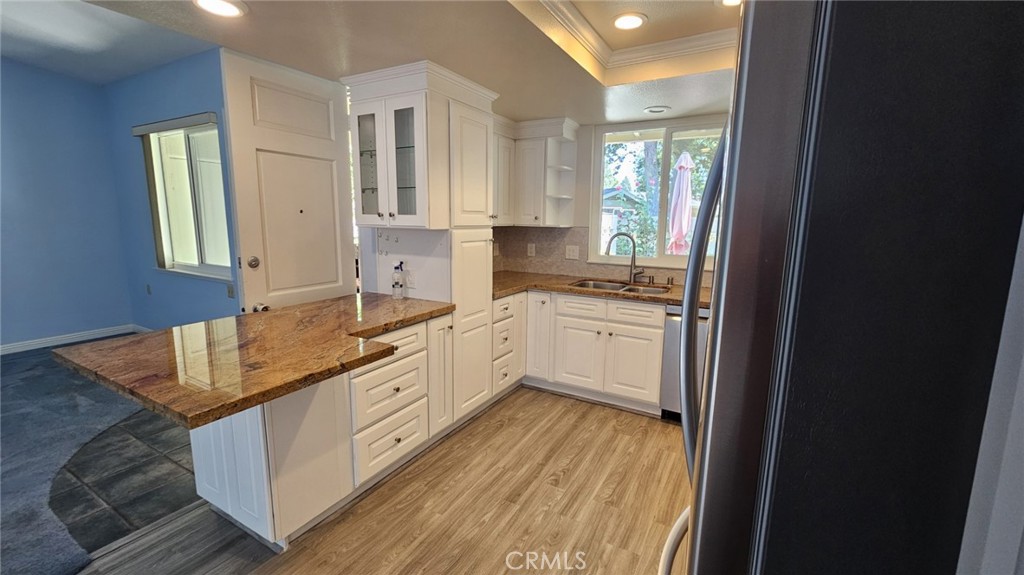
[(253, 262)]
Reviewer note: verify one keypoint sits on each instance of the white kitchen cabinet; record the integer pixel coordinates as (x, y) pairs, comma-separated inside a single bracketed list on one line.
[(529, 182), (504, 178), (386, 442), (504, 338), (520, 302), (425, 145), (608, 346), (471, 293), (439, 363), (501, 374), (385, 390), (580, 352), (545, 178), (632, 362), (276, 467), (538, 340), (472, 180)]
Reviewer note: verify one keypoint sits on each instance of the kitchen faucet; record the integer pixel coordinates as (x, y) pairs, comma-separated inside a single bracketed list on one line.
[(633, 270)]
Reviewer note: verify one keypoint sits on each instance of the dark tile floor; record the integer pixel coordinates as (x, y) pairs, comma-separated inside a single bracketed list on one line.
[(127, 477)]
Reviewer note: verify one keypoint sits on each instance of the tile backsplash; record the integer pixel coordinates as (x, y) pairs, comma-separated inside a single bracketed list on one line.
[(550, 255)]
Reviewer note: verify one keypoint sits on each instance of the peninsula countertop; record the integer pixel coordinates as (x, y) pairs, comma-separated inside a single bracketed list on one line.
[(506, 283), (198, 373)]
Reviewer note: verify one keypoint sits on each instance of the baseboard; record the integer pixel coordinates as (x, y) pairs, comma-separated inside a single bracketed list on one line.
[(70, 338), (593, 396)]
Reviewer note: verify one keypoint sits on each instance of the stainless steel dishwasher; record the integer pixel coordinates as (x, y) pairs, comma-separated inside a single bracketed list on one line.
[(670, 401)]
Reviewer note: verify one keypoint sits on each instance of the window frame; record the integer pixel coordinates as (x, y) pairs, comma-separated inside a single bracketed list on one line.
[(594, 253), (157, 198)]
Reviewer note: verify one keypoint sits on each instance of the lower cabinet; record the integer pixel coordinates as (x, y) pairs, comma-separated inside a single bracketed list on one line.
[(538, 339), (519, 361), (609, 347), (439, 364), (389, 440), (471, 293), (276, 467)]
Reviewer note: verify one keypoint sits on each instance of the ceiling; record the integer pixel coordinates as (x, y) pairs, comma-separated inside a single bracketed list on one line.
[(87, 42), (489, 42), (665, 20)]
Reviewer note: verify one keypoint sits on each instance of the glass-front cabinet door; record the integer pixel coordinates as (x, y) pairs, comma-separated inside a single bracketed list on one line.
[(369, 163), (405, 120)]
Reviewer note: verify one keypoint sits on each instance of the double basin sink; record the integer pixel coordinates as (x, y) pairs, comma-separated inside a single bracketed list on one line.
[(618, 287)]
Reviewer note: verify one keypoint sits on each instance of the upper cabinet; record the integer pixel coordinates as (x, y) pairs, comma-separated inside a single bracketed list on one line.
[(425, 145), (538, 187), (504, 172)]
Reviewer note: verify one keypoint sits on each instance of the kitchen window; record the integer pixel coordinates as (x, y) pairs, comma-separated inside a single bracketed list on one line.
[(650, 180), (186, 184)]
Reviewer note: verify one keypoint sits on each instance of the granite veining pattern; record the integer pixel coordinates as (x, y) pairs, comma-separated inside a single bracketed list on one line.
[(198, 373), (506, 283)]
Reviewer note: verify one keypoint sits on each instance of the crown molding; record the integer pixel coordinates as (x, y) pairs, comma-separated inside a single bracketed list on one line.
[(424, 69), (726, 38), (570, 18)]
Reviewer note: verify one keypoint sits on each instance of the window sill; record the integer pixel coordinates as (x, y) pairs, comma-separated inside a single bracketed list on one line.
[(225, 279)]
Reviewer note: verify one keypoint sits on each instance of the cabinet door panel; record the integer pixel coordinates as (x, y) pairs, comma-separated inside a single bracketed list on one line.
[(530, 173), (384, 391), (472, 369), (471, 293), (633, 362), (406, 128), (538, 342), (472, 140), (439, 361), (504, 181), (579, 352), (369, 166), (519, 357)]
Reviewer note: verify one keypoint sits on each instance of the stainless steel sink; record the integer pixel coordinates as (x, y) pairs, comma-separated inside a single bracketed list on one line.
[(593, 284), (644, 289)]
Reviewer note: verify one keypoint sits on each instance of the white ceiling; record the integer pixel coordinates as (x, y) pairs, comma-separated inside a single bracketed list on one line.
[(489, 42), (87, 42)]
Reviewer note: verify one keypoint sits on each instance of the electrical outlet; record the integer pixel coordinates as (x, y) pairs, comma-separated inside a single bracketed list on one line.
[(410, 279), (531, 250), (572, 252)]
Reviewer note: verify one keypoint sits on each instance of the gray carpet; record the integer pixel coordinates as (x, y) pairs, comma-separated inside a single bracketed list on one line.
[(46, 414)]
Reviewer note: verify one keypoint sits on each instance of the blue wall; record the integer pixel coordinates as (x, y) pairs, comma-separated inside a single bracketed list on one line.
[(188, 86), (61, 269)]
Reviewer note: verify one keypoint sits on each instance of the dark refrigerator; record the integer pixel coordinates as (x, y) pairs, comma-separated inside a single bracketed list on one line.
[(871, 205)]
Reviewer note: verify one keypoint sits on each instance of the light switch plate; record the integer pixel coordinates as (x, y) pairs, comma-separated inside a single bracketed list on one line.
[(410, 279), (572, 252), (531, 250)]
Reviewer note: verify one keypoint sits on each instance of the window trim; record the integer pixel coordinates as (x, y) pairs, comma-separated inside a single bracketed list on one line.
[(146, 133), (594, 255)]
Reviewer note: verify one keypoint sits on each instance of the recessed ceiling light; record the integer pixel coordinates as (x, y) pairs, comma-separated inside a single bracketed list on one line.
[(657, 109), (731, 2), (226, 8), (630, 20)]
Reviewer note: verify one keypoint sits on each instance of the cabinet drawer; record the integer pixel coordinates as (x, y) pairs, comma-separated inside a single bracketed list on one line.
[(389, 440), (580, 306), (637, 313), (407, 340), (503, 308), (501, 375), (384, 391), (503, 338)]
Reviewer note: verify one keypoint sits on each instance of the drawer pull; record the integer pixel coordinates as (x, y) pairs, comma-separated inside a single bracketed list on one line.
[(610, 334), (504, 339), (598, 332), (397, 389), (504, 308), (398, 440)]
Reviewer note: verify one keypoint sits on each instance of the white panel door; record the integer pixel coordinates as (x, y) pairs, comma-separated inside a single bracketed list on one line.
[(531, 169), (369, 165), (472, 181), (310, 449), (633, 362), (538, 342), (504, 177), (440, 375), (290, 177), (471, 293), (519, 358), (579, 352)]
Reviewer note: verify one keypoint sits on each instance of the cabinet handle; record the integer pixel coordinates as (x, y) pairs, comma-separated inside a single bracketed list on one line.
[(449, 327), (391, 214), (504, 339), (610, 334), (504, 374), (542, 302), (397, 389), (598, 332), (398, 440), (494, 216), (536, 218), (380, 215)]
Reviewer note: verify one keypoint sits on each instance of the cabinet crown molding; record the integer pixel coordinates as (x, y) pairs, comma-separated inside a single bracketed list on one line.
[(418, 76), (564, 128)]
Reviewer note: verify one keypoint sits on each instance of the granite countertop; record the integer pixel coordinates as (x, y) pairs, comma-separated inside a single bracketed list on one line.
[(508, 283), (198, 373)]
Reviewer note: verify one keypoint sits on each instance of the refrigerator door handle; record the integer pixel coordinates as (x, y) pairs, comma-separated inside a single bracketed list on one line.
[(689, 392)]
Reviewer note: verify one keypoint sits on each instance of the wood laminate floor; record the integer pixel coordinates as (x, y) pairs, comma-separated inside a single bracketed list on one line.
[(537, 472)]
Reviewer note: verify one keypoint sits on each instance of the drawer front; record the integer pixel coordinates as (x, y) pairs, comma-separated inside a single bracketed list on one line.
[(587, 307), (407, 340), (501, 375), (503, 308), (503, 338), (637, 313), (390, 440), (383, 391)]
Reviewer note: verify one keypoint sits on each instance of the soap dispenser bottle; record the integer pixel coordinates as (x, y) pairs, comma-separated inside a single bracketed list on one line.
[(397, 282)]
